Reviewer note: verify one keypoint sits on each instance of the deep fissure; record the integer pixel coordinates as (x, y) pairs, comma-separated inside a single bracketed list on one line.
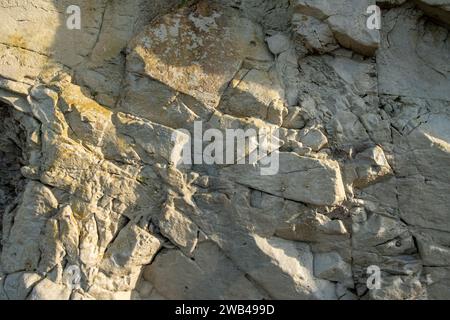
[(10, 159)]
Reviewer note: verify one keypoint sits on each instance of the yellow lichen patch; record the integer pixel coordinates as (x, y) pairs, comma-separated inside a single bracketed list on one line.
[(75, 98), (80, 211), (90, 122), (17, 40), (122, 145)]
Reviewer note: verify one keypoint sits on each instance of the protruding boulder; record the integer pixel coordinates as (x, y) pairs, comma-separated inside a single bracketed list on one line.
[(182, 50)]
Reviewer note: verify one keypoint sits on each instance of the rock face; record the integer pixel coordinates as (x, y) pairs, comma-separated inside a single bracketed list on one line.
[(345, 20), (97, 201)]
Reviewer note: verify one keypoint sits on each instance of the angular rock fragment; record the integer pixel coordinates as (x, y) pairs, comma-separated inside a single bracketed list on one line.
[(178, 228), (191, 66), (368, 167), (91, 181), (314, 139), (314, 34), (299, 178), (133, 247), (347, 20), (249, 96), (330, 266)]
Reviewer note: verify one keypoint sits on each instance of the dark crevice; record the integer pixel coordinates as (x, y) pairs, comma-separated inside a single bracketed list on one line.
[(11, 160)]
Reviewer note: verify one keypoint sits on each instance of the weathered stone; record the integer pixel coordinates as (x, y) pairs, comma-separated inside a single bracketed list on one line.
[(188, 67), (295, 261), (313, 228), (3, 295), (330, 266), (179, 229), (397, 288), (133, 247), (433, 254), (314, 139), (294, 118), (178, 277), (278, 43), (346, 20), (21, 253), (413, 60), (439, 282), (315, 35), (295, 179), (17, 286), (437, 9), (48, 290), (249, 97), (96, 201), (368, 167), (157, 102)]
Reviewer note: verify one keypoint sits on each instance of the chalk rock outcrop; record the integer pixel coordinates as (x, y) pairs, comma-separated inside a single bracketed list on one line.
[(224, 149)]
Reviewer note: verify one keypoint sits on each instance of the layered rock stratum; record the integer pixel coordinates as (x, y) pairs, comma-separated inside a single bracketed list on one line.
[(93, 205)]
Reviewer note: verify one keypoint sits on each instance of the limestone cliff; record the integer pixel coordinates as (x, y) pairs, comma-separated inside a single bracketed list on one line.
[(94, 205)]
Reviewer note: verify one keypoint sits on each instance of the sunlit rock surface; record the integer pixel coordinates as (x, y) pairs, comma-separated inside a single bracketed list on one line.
[(94, 205)]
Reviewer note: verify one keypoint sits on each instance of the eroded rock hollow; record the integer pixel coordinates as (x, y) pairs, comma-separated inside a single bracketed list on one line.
[(95, 203)]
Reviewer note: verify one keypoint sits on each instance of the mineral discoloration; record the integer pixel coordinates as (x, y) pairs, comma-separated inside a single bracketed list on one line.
[(89, 120)]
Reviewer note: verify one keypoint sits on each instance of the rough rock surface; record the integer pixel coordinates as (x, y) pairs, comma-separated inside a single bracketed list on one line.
[(93, 205)]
